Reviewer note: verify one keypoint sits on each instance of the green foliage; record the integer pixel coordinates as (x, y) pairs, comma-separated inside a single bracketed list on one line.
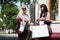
[(1, 24), (25, 1), (3, 1), (10, 11), (56, 6)]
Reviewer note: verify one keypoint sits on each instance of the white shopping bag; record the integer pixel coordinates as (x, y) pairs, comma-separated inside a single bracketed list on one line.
[(22, 26), (41, 23), (39, 31)]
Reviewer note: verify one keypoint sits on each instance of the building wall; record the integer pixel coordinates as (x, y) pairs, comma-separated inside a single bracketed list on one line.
[(55, 28), (59, 10)]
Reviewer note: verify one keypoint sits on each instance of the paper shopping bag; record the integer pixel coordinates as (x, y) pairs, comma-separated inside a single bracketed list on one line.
[(39, 31), (22, 26)]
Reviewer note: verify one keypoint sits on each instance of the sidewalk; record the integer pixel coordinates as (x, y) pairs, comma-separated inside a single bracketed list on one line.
[(8, 37)]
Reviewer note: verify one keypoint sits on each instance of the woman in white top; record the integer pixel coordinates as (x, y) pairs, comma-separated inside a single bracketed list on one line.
[(22, 17)]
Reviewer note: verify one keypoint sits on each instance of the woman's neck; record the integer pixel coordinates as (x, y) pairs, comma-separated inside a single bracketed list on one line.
[(24, 13)]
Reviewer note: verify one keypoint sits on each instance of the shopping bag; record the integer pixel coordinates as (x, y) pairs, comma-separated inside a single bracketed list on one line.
[(22, 26), (39, 31)]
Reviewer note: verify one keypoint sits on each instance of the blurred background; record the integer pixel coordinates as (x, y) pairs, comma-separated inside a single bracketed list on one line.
[(8, 12), (10, 8)]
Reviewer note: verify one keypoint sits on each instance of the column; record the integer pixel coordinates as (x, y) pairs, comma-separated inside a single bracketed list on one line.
[(32, 11), (58, 10), (49, 5), (36, 9)]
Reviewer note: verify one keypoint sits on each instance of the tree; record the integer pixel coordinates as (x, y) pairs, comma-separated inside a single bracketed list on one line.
[(3, 1), (9, 12), (25, 1)]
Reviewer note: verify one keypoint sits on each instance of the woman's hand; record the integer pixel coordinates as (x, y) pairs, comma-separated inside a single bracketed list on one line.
[(26, 20), (38, 19)]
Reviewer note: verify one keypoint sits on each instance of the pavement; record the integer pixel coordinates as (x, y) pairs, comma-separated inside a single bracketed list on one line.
[(8, 37)]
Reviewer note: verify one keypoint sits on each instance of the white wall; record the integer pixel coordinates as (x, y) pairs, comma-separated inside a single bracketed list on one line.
[(59, 10), (55, 28)]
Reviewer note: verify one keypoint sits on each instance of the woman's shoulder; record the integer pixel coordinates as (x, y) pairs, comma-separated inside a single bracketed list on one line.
[(48, 13)]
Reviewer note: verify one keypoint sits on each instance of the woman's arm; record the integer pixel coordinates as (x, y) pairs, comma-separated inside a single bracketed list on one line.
[(48, 16), (18, 19)]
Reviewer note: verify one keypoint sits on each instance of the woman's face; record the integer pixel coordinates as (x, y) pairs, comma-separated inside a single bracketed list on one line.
[(24, 10), (42, 9)]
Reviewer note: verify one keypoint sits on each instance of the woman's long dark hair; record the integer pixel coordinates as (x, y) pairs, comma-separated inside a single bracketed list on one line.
[(45, 13), (45, 10)]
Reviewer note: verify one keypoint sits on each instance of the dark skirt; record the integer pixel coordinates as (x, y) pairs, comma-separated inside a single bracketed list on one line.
[(23, 34)]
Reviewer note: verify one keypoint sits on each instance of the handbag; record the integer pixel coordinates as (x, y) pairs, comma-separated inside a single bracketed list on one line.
[(47, 22)]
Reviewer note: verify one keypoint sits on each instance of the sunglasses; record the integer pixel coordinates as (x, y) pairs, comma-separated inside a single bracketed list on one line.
[(23, 8)]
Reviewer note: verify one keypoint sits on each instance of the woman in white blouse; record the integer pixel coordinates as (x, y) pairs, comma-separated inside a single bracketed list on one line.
[(22, 16)]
